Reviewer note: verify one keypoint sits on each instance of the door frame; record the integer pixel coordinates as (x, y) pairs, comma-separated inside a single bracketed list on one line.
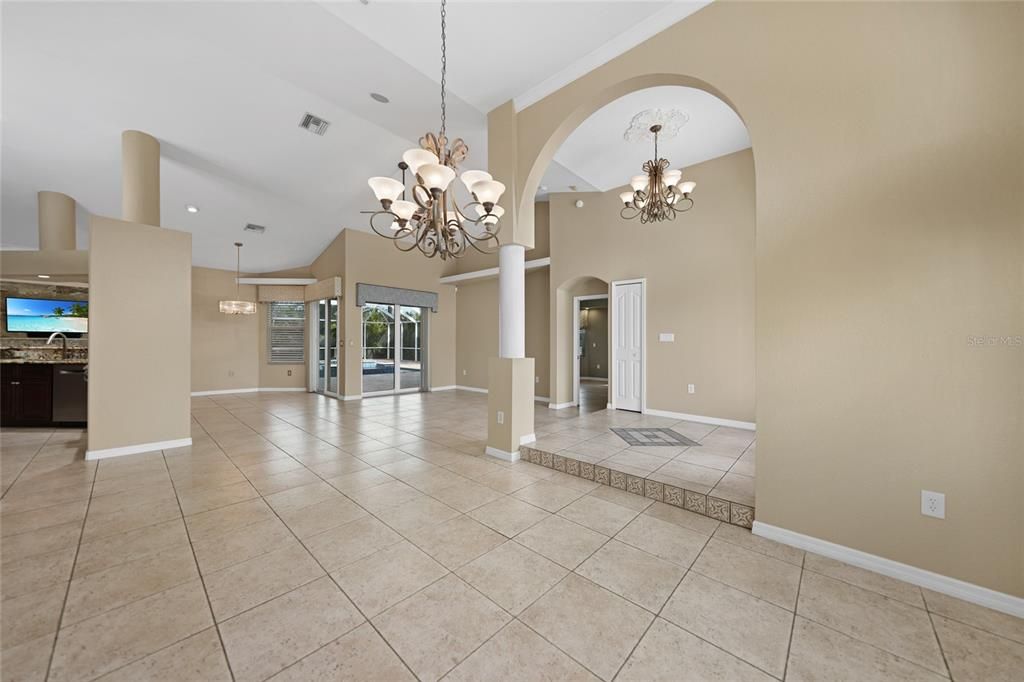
[(642, 281), (397, 347), (576, 339)]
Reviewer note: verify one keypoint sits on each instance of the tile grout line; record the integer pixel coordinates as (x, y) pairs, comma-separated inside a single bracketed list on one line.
[(30, 460), (792, 624), (67, 589), (195, 560)]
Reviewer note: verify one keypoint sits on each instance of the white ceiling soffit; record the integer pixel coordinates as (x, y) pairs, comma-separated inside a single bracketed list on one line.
[(624, 40), (607, 161)]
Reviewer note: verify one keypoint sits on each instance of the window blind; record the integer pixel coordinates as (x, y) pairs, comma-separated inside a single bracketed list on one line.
[(286, 322)]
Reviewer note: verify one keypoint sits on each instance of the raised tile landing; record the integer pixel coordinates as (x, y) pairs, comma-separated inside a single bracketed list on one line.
[(702, 468)]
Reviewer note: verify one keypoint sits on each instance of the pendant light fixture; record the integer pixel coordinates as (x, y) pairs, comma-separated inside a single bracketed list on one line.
[(659, 194), (433, 221), (238, 306)]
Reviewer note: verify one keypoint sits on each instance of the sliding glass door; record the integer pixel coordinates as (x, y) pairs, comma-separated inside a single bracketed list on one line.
[(325, 352), (393, 349)]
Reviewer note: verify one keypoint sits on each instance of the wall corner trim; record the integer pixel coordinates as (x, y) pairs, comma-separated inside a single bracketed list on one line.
[(501, 454), (717, 421), (976, 594), (137, 449)]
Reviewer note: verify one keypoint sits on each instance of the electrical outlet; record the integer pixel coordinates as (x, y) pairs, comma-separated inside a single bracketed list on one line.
[(536, 380), (464, 372), (599, 366), (933, 504), (691, 388), (289, 372), (501, 417), (231, 372)]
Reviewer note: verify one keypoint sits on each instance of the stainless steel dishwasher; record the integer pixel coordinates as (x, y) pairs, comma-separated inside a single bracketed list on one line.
[(70, 393)]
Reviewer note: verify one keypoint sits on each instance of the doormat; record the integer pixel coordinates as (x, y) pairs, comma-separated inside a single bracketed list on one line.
[(650, 437)]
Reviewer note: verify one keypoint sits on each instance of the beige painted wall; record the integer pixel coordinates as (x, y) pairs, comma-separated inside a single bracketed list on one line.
[(361, 257), (139, 335), (477, 329), (700, 286), (870, 283), (224, 347)]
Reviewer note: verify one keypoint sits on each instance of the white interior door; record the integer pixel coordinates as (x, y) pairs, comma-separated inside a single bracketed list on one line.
[(628, 344)]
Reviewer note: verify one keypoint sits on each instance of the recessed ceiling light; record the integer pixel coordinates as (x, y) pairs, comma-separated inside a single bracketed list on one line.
[(191, 209), (379, 97), (43, 276)]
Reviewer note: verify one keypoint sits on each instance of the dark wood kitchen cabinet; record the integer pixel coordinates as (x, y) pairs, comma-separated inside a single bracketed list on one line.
[(26, 394)]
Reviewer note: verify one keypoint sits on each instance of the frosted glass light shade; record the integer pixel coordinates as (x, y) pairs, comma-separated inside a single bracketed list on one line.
[(237, 307), (386, 189), (436, 176), (403, 209), (488, 191), (638, 183), (672, 177), (626, 197), (471, 177), (417, 157), (496, 213), (687, 187)]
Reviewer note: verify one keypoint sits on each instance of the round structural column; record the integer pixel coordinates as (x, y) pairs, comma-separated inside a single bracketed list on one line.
[(56, 221), (512, 301), (140, 178)]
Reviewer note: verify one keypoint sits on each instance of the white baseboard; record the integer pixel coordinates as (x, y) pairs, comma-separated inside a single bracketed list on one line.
[(435, 389), (474, 389), (350, 397), (561, 406), (501, 454), (983, 596), (229, 391), (749, 426), (608, 406), (225, 391), (528, 438), (137, 449)]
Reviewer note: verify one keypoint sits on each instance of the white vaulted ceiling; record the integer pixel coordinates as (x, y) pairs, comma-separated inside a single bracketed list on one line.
[(223, 86)]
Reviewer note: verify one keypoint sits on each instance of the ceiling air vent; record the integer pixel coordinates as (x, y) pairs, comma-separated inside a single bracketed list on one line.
[(314, 124), (258, 229)]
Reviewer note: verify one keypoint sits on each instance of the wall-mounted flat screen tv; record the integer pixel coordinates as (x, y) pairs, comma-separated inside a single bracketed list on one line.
[(47, 315)]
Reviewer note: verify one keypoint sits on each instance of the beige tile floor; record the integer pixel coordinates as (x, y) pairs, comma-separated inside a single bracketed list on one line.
[(302, 538)]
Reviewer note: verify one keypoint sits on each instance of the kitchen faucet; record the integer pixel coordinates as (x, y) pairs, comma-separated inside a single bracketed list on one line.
[(64, 344)]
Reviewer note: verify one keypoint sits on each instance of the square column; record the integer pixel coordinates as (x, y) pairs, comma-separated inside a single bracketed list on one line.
[(509, 406)]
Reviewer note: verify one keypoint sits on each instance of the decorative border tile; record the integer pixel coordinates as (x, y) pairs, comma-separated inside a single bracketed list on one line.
[(618, 479), (587, 471), (673, 496), (654, 490), (718, 509), (699, 503), (695, 502), (741, 515)]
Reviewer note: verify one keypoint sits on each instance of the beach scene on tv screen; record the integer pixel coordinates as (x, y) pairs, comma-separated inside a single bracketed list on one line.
[(47, 315)]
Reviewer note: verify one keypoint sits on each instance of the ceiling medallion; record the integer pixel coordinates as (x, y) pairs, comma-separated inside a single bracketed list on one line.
[(658, 194), (670, 120), (238, 306), (433, 221)]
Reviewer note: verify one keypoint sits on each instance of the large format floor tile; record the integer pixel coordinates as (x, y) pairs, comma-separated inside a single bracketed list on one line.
[(304, 516)]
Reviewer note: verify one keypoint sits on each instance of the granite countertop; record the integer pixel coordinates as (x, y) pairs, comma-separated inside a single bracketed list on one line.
[(47, 361)]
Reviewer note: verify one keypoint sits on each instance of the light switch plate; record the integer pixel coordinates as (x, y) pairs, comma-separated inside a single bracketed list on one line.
[(501, 417), (666, 337), (691, 388)]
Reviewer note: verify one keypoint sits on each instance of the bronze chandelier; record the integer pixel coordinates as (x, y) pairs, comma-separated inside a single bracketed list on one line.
[(660, 193), (433, 221)]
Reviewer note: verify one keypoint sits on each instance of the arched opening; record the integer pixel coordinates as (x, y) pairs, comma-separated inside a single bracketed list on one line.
[(695, 279)]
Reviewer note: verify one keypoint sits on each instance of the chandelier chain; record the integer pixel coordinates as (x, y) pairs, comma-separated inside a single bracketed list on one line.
[(444, 65)]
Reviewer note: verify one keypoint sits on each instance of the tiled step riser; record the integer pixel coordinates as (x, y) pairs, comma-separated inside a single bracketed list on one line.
[(690, 500)]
